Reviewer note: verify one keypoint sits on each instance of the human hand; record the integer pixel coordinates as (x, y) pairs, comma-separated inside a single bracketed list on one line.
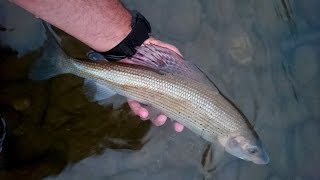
[(137, 108)]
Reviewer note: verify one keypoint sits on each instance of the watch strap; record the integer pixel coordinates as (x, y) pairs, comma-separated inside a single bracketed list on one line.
[(126, 48)]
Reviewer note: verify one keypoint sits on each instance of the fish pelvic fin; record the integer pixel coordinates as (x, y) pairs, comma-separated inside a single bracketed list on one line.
[(102, 94), (53, 61)]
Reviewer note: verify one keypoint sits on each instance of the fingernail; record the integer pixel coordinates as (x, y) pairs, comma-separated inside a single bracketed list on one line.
[(143, 113), (160, 120), (178, 127)]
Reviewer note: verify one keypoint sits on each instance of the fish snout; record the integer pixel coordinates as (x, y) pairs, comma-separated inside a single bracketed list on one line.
[(246, 147)]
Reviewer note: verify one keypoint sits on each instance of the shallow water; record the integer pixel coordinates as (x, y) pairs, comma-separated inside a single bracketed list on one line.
[(263, 55)]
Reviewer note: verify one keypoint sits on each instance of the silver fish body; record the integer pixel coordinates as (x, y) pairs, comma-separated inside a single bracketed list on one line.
[(192, 103), (186, 99)]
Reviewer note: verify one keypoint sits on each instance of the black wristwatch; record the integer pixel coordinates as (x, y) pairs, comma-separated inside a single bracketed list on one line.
[(126, 48)]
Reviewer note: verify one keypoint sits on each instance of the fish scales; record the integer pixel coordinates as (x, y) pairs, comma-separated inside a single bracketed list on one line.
[(162, 79), (187, 101)]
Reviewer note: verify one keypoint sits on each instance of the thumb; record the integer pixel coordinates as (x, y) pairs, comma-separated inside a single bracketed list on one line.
[(157, 42)]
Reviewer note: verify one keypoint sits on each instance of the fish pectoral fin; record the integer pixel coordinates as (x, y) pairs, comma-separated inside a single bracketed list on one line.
[(102, 94), (218, 153), (95, 91)]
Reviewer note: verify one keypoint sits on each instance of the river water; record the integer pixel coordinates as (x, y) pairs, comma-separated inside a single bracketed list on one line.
[(263, 55)]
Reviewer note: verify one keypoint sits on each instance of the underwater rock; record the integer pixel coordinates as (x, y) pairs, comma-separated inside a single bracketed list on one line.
[(240, 47)]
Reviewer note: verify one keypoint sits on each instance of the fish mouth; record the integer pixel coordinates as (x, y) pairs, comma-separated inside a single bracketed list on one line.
[(262, 161)]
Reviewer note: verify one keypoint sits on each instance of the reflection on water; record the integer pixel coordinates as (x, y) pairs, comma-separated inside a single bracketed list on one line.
[(263, 55)]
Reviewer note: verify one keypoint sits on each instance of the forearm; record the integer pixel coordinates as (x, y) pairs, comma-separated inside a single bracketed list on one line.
[(101, 24)]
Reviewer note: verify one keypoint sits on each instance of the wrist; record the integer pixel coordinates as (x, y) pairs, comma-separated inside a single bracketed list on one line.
[(100, 24), (140, 29), (121, 29)]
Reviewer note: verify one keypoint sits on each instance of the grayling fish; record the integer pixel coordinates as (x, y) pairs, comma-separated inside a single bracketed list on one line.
[(164, 81)]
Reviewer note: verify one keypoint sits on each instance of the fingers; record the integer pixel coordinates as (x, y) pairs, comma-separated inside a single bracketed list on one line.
[(143, 113), (160, 120), (178, 127), (137, 109), (126, 60), (157, 42)]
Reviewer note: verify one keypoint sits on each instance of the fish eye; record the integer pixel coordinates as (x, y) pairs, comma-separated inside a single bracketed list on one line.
[(252, 150)]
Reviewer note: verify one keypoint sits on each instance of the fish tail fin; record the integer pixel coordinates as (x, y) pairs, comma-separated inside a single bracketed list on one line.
[(54, 60)]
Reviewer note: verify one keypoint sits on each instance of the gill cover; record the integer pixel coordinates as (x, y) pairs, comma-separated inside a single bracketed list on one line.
[(245, 145)]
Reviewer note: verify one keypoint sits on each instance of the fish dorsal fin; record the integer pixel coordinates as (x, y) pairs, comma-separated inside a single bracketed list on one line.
[(167, 61)]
